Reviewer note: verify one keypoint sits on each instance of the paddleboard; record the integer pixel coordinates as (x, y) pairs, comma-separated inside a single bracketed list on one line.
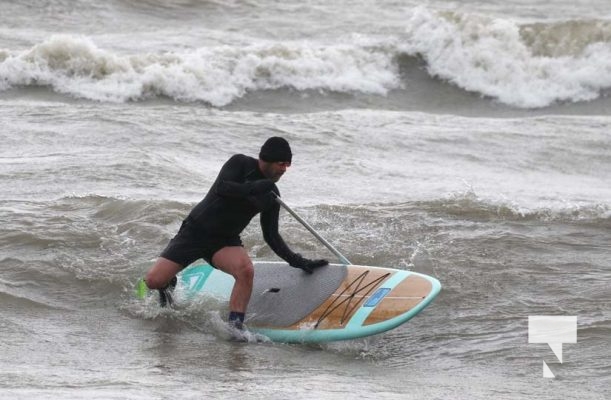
[(336, 302)]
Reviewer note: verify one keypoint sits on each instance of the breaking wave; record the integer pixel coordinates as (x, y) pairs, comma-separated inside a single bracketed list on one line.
[(526, 66)]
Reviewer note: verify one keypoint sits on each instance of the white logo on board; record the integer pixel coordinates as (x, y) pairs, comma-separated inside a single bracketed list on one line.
[(192, 281)]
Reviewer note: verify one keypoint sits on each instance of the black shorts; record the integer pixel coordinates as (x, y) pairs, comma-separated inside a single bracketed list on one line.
[(190, 245)]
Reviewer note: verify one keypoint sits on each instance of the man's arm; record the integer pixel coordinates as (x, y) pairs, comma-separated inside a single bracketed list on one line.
[(269, 225)]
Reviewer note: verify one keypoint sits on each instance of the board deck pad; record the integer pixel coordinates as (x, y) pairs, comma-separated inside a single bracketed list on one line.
[(283, 296), (336, 302)]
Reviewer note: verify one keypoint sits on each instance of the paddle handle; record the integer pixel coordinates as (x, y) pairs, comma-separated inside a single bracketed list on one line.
[(313, 232)]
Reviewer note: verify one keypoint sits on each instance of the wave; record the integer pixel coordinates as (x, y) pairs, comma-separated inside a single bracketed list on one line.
[(19, 301), (464, 204), (216, 75), (469, 205), (93, 221), (20, 287), (524, 66), (529, 66)]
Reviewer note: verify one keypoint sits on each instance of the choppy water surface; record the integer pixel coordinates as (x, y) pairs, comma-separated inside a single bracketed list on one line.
[(468, 141)]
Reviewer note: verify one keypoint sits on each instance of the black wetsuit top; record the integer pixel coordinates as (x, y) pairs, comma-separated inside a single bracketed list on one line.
[(226, 210)]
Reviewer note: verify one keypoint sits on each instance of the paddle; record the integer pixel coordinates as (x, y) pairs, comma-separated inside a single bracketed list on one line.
[(313, 232)]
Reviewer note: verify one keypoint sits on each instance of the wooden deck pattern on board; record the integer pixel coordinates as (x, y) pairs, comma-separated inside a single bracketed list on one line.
[(335, 312), (405, 296)]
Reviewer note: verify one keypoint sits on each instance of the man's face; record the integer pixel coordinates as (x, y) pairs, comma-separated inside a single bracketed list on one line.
[(274, 170)]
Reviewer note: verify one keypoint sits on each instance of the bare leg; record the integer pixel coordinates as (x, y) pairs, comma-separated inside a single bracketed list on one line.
[(161, 273), (234, 260)]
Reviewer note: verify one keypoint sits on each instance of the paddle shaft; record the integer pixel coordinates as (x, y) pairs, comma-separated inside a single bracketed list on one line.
[(313, 232)]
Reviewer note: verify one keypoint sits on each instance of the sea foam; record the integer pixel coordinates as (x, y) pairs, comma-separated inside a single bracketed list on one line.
[(490, 56), (526, 66), (217, 75)]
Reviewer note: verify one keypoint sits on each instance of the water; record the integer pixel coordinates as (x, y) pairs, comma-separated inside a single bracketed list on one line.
[(466, 140)]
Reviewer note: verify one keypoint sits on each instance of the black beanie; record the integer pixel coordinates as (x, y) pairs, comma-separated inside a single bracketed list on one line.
[(276, 149)]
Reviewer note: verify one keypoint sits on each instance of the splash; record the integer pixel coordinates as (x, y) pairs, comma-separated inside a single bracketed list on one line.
[(531, 65), (492, 56), (216, 75)]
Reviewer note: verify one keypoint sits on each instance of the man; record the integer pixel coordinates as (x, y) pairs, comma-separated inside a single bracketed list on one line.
[(244, 187)]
